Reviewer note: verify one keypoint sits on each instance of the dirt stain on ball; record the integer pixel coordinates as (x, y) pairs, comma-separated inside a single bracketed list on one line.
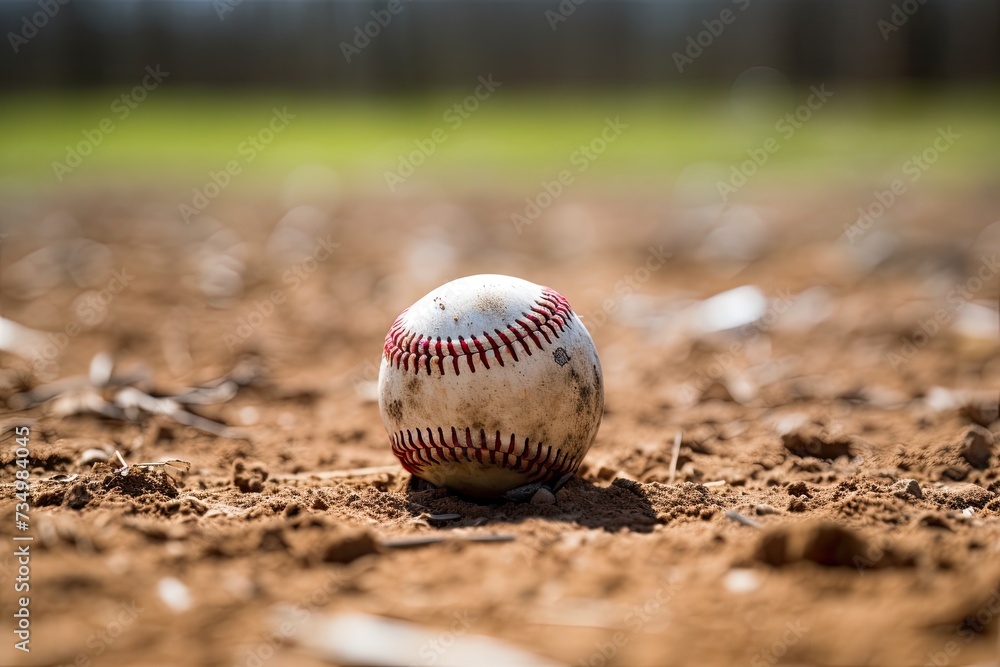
[(491, 303)]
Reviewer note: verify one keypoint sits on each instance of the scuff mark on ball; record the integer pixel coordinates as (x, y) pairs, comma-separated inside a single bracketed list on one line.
[(491, 303)]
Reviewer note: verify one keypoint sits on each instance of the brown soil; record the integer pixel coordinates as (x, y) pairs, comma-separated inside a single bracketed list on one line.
[(826, 507)]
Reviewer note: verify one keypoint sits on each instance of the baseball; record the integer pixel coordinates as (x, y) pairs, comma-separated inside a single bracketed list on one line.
[(490, 383)]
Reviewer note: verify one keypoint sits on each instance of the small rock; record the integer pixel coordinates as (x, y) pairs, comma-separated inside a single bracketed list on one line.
[(523, 494), (346, 547), (761, 510), (174, 594), (248, 415), (906, 487), (78, 497), (808, 442), (741, 580), (249, 478), (92, 456), (977, 447), (797, 505), (799, 489), (543, 497)]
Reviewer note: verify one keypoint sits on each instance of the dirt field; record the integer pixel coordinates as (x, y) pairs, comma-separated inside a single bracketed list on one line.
[(849, 363)]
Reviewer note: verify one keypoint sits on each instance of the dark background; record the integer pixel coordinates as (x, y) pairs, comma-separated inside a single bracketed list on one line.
[(296, 45)]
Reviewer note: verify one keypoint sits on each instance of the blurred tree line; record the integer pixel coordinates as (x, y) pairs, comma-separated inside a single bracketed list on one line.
[(400, 45)]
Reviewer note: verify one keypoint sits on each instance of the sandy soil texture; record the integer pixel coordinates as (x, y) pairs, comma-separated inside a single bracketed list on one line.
[(835, 498)]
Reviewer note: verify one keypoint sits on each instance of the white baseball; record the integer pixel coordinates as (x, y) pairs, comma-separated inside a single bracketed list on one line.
[(489, 383)]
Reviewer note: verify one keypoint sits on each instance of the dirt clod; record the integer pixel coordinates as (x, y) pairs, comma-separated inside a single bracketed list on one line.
[(78, 496), (797, 505), (906, 488), (138, 482), (807, 442), (336, 545), (799, 489), (249, 477)]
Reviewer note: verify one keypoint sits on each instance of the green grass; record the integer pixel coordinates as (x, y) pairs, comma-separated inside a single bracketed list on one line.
[(513, 139)]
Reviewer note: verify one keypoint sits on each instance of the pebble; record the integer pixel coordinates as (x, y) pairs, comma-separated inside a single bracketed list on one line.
[(741, 580), (977, 447), (91, 456), (248, 415), (906, 487), (174, 594), (543, 497)]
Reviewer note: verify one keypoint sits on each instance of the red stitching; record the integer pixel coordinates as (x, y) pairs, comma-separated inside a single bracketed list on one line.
[(482, 354), (549, 316), (539, 324), (531, 334), (417, 455), (468, 354), (496, 348), (440, 355), (509, 345)]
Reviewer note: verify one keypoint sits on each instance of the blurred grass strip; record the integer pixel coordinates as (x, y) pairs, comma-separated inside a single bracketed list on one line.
[(513, 138)]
